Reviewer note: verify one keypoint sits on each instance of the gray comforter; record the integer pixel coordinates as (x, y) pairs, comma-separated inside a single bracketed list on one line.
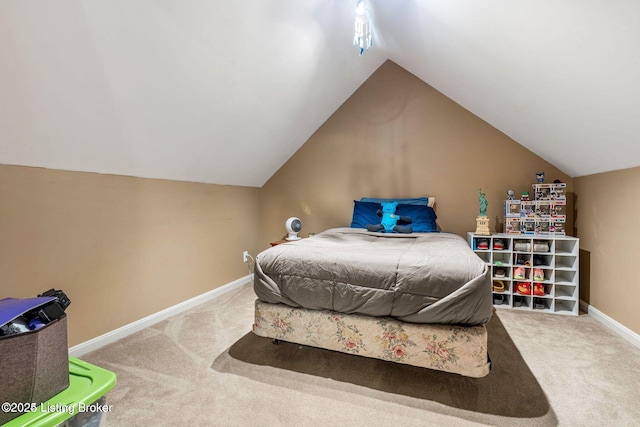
[(419, 277)]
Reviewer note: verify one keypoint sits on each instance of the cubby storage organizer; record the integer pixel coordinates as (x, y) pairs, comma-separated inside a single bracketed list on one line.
[(531, 272)]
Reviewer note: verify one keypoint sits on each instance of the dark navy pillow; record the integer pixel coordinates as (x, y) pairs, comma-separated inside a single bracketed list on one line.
[(423, 218), (364, 213)]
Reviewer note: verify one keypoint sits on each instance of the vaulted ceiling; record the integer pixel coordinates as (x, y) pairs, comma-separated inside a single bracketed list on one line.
[(226, 91)]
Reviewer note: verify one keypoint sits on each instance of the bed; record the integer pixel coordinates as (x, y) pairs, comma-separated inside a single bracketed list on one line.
[(421, 299)]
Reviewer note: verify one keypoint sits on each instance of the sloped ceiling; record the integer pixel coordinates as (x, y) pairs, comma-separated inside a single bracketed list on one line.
[(226, 91)]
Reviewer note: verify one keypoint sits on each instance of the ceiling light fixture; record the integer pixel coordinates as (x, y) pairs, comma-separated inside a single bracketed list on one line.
[(363, 37)]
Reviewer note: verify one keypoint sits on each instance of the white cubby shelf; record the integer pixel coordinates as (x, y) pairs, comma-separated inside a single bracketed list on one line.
[(531, 272)]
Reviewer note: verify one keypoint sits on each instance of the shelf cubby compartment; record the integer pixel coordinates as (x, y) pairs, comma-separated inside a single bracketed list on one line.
[(565, 277), (496, 270), (566, 292), (519, 285), (522, 245), (548, 290), (567, 247), (503, 299), (500, 286), (521, 258), (503, 257), (547, 275), (499, 244), (565, 307), (542, 246), (567, 262), (542, 304), (520, 273), (522, 302), (482, 244), (542, 260), (484, 256)]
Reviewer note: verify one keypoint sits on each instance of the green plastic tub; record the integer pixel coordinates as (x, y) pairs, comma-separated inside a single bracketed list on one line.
[(83, 403)]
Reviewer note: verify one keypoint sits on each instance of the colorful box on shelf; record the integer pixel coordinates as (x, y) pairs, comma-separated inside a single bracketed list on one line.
[(512, 208), (527, 209), (512, 225), (528, 226), (557, 226), (554, 191), (558, 209), (542, 209)]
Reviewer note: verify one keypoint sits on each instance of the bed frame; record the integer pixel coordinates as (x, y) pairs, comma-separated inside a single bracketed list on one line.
[(456, 349)]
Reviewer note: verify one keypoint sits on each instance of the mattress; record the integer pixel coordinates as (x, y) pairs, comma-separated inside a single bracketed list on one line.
[(418, 277), (449, 348)]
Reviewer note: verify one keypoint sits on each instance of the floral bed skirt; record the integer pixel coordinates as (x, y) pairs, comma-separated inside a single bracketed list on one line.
[(456, 349)]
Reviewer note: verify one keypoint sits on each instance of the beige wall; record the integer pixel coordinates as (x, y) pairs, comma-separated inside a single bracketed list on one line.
[(122, 248), (395, 137), (607, 225)]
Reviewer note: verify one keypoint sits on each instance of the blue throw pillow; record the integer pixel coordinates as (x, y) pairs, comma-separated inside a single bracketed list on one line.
[(423, 218), (407, 201), (364, 213)]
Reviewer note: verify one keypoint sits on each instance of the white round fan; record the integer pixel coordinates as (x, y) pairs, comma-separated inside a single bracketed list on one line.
[(293, 225)]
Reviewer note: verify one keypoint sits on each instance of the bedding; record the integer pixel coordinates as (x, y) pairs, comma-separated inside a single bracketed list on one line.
[(418, 277)]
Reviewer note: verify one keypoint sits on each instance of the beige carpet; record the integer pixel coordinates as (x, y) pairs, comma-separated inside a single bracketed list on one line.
[(205, 368)]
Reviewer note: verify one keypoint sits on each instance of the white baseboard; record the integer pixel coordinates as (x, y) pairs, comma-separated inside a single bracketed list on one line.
[(607, 321), (116, 334)]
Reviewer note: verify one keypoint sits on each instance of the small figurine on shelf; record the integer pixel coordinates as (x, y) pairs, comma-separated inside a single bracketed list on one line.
[(540, 177), (510, 194), (483, 202), (482, 221), (525, 196)]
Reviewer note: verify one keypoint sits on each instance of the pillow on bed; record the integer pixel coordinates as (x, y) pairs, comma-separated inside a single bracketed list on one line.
[(423, 218), (364, 213), (425, 201)]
